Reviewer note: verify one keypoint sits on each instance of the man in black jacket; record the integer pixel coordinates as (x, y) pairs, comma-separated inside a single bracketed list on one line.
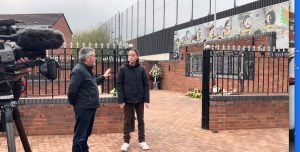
[(133, 94), (84, 96)]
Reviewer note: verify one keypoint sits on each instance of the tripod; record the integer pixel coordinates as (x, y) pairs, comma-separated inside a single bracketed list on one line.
[(10, 113)]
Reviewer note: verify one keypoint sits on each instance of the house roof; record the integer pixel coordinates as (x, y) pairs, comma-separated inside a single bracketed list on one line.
[(35, 19)]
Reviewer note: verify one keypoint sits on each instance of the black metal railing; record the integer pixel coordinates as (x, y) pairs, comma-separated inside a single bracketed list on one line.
[(38, 85), (248, 71), (239, 71)]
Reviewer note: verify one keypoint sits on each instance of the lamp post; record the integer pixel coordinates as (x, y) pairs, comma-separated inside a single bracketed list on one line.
[(215, 19), (208, 47)]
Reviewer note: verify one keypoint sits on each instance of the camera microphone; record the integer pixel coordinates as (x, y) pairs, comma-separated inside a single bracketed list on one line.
[(36, 39), (9, 22)]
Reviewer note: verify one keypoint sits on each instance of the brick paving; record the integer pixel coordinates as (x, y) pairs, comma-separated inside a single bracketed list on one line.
[(173, 124)]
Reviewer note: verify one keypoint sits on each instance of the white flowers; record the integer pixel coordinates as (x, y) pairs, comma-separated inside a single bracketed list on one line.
[(156, 72), (114, 92)]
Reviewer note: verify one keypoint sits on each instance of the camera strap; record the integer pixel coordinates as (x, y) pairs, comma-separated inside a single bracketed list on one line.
[(49, 69)]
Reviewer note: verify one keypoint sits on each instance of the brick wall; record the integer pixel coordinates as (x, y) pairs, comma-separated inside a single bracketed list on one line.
[(174, 77), (59, 87), (291, 32), (250, 114), (62, 77), (148, 65), (174, 71), (270, 75), (63, 27), (58, 119)]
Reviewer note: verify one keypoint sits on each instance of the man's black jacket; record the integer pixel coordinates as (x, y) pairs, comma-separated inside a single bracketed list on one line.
[(83, 90), (132, 84)]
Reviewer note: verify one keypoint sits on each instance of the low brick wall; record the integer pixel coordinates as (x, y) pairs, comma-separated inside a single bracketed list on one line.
[(56, 116), (248, 112)]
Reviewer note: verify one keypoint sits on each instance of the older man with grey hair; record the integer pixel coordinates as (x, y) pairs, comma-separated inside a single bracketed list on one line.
[(84, 96)]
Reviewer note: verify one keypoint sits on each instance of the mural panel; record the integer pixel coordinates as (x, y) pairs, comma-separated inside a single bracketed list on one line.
[(273, 18)]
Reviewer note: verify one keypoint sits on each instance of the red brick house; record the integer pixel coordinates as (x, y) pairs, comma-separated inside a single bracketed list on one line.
[(55, 21)]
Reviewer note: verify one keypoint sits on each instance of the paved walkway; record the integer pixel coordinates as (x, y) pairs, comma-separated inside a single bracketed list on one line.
[(173, 124)]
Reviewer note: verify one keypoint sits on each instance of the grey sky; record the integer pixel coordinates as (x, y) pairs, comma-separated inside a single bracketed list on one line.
[(80, 14)]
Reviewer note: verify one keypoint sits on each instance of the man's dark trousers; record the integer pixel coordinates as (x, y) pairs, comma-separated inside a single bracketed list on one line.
[(83, 129)]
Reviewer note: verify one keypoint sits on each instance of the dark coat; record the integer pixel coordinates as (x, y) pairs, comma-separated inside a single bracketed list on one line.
[(83, 90), (132, 84)]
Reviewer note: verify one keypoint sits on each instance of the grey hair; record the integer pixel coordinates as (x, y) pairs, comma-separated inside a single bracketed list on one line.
[(84, 52)]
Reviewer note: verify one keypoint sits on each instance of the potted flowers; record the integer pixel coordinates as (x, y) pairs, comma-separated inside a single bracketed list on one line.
[(114, 92), (156, 73)]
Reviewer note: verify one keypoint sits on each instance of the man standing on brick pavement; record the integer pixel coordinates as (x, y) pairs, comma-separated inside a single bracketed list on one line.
[(83, 94), (133, 94)]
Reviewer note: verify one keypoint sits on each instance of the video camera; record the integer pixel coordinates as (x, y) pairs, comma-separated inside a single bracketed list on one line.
[(16, 43)]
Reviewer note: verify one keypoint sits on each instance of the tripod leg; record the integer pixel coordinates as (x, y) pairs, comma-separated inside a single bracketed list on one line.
[(21, 130), (10, 137), (2, 121), (8, 112)]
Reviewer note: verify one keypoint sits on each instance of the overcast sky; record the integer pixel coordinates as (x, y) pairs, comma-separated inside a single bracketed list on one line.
[(80, 14)]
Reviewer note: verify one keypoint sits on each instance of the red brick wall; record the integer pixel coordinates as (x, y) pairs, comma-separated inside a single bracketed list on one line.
[(59, 88), (292, 36), (63, 27), (148, 65), (291, 32), (175, 79), (248, 114), (42, 90), (58, 119), (273, 80), (174, 71)]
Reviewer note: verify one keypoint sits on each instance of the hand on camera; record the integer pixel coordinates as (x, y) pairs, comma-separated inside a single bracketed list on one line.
[(23, 72)]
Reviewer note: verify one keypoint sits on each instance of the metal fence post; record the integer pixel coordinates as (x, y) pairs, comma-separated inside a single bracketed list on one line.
[(205, 87), (241, 74), (115, 66)]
